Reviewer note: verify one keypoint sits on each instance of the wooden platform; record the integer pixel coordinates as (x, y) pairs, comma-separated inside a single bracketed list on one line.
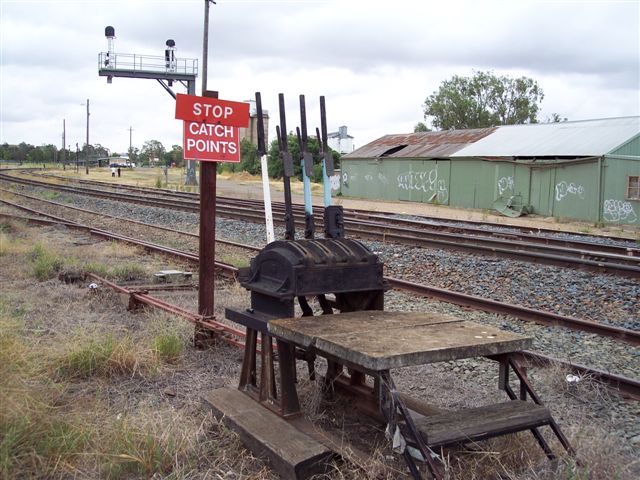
[(482, 422), (291, 453), (380, 340)]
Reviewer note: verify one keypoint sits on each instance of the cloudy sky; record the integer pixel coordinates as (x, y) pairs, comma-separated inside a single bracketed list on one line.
[(375, 61)]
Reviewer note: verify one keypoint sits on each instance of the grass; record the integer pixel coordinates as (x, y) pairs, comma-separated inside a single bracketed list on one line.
[(50, 195), (104, 357), (45, 264), (235, 259), (128, 272), (34, 434), (99, 269), (168, 347), (82, 393)]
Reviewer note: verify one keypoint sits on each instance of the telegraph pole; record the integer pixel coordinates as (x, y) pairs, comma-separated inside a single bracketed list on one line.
[(88, 126), (64, 141), (130, 143)]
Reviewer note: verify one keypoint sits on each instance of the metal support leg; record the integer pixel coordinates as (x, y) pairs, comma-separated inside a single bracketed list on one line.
[(504, 385), (390, 405), (267, 381), (289, 404), (248, 373), (524, 381)]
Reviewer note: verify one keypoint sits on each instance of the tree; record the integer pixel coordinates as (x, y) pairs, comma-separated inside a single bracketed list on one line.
[(276, 169), (249, 158), (483, 100), (421, 127), (174, 156), (151, 149), (555, 118)]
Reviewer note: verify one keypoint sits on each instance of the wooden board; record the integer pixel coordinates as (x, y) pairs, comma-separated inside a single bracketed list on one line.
[(291, 453), (384, 340), (482, 422)]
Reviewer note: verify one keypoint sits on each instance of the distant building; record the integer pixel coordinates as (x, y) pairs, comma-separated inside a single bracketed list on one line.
[(585, 170), (340, 141), (251, 132)]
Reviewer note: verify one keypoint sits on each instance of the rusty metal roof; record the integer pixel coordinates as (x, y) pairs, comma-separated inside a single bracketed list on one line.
[(421, 144)]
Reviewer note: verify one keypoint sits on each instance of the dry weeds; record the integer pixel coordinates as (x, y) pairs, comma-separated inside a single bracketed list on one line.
[(132, 414)]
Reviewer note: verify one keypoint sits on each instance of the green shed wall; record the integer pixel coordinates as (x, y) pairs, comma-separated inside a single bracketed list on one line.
[(575, 191), (616, 208), (414, 180), (551, 189)]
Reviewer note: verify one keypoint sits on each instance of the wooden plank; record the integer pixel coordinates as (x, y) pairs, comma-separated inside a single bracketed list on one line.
[(291, 453), (384, 340), (482, 422), (387, 348), (304, 330)]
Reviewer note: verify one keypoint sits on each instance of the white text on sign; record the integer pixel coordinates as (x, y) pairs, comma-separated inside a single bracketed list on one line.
[(214, 111), (207, 142), (191, 108)]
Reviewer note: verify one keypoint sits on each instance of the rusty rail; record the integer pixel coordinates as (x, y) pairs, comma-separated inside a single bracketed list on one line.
[(625, 385), (144, 298), (626, 264)]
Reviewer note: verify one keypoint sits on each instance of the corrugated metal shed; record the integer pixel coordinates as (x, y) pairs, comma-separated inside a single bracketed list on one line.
[(581, 138), (421, 144)]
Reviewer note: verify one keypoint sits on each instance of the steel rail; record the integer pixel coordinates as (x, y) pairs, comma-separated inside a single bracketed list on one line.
[(578, 248), (600, 262), (391, 217), (479, 303), (128, 220), (627, 386), (524, 313), (146, 299)]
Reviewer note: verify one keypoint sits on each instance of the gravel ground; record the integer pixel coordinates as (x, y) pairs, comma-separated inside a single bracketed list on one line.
[(590, 296), (507, 229)]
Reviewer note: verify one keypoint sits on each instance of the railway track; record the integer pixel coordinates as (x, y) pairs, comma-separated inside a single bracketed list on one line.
[(613, 259), (458, 298), (629, 387)]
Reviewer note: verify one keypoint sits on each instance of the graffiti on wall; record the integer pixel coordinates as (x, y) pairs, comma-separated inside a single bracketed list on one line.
[(334, 181), (427, 182), (618, 211), (504, 184), (563, 189), (346, 178)]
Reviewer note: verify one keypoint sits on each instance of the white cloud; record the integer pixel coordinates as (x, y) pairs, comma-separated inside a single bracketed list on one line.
[(374, 61)]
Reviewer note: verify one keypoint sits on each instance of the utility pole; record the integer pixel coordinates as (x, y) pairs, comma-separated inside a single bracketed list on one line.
[(86, 155), (88, 126), (130, 143), (207, 247), (64, 141)]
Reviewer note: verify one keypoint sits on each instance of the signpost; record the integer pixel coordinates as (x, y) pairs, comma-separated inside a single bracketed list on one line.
[(211, 127), (211, 134)]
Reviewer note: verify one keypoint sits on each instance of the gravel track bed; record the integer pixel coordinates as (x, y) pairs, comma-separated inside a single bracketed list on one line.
[(595, 239), (596, 297), (590, 296), (600, 298)]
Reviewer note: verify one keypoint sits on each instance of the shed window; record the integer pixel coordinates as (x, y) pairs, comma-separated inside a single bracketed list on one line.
[(633, 188)]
